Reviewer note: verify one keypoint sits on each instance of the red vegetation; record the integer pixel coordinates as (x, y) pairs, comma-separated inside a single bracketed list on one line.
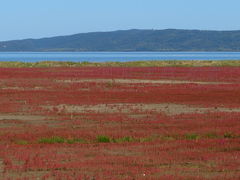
[(83, 123)]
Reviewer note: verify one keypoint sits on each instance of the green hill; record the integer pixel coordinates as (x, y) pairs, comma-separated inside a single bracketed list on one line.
[(132, 40)]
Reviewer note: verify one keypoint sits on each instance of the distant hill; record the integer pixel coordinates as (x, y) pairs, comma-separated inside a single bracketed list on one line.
[(132, 40)]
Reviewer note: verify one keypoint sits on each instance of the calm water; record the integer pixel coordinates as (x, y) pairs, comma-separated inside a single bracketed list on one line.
[(115, 56)]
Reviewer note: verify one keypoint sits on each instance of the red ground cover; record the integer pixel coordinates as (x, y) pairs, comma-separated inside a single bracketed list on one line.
[(55, 125)]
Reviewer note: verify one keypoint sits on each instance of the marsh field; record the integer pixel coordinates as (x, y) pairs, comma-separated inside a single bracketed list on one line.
[(133, 120)]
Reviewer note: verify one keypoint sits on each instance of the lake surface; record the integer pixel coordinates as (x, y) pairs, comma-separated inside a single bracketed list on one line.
[(115, 56)]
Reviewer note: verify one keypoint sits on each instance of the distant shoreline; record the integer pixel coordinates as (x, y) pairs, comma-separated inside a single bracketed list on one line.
[(157, 63)]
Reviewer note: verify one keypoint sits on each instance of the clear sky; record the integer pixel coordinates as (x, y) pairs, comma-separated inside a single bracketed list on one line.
[(45, 18)]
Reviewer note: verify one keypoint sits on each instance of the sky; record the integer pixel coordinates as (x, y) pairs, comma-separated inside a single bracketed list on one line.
[(20, 19)]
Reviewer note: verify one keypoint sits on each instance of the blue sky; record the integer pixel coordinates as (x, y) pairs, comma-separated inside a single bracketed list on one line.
[(21, 19)]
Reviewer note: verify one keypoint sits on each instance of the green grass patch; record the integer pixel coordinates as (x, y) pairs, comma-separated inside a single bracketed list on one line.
[(192, 136), (76, 140), (145, 139), (22, 142), (127, 139), (124, 139), (51, 140), (156, 63), (103, 139), (57, 139)]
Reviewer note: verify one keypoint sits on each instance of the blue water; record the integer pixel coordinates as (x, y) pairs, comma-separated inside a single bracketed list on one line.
[(115, 56)]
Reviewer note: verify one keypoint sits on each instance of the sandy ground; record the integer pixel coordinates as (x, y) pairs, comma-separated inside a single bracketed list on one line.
[(168, 109), (137, 81), (1, 166), (22, 88), (10, 120), (20, 117)]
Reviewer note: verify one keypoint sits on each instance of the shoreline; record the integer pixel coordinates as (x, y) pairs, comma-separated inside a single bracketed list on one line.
[(155, 63)]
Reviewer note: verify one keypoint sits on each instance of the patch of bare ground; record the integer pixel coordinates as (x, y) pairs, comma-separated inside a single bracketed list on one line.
[(1, 166), (22, 88), (38, 175), (10, 120), (21, 117), (207, 173), (166, 108), (121, 152), (137, 81)]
